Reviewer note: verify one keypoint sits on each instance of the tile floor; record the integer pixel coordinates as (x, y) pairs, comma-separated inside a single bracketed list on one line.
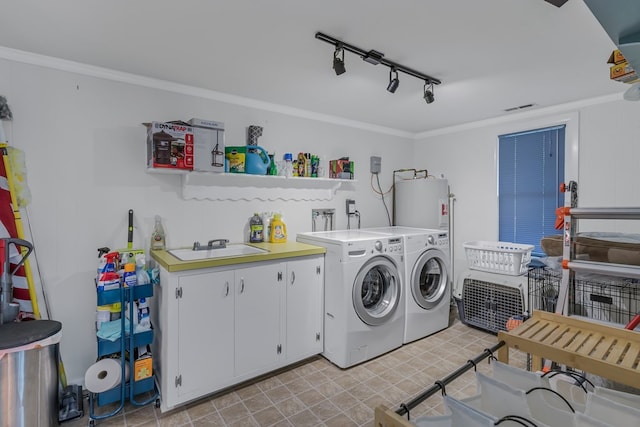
[(317, 393)]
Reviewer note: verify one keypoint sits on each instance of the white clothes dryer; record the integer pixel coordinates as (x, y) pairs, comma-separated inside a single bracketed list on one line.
[(428, 285), (363, 294)]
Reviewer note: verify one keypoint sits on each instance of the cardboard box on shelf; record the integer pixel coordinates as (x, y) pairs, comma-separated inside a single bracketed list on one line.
[(143, 365), (208, 145), (341, 168), (623, 72), (616, 57), (169, 146)]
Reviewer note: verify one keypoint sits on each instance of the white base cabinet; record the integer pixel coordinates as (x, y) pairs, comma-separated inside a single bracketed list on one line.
[(220, 326)]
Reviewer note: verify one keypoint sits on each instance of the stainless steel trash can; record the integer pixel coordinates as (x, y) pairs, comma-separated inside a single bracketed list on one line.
[(29, 373)]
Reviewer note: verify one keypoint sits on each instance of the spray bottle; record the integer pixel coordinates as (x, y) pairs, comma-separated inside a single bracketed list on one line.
[(108, 279), (142, 277)]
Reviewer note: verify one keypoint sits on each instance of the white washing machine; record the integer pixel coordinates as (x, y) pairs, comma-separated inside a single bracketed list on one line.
[(427, 285), (363, 299)]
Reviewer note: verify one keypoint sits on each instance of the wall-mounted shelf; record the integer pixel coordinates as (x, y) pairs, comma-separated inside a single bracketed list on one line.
[(229, 186), (236, 186)]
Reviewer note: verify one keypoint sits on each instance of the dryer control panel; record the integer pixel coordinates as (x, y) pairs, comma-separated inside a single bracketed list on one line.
[(440, 240)]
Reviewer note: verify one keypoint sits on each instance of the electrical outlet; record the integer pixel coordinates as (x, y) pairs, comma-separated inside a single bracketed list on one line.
[(351, 206), (376, 164)]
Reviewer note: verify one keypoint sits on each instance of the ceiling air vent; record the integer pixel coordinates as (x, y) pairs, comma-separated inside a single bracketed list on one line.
[(521, 107)]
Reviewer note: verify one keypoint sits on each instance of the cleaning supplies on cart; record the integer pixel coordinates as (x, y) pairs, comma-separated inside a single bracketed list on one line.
[(158, 236), (115, 311), (144, 321), (112, 330), (142, 278), (103, 315), (129, 277), (278, 229), (108, 278)]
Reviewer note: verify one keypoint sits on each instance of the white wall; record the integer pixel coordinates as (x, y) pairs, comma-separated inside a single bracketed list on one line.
[(85, 156), (609, 151)]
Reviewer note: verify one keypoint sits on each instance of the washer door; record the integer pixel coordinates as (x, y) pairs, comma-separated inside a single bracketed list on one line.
[(430, 278), (376, 291)]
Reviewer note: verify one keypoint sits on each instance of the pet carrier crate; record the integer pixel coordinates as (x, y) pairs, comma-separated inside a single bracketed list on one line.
[(488, 300)]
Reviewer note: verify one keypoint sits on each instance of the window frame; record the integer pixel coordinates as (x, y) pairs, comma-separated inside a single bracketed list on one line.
[(531, 173), (571, 148)]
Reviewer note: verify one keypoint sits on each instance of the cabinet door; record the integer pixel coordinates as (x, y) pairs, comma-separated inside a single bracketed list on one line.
[(305, 281), (257, 318), (205, 334)]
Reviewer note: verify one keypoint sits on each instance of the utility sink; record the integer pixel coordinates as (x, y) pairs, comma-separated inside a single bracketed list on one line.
[(232, 250)]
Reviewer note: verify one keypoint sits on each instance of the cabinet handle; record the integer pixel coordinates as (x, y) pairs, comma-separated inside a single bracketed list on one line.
[(293, 277), (242, 285), (227, 293)]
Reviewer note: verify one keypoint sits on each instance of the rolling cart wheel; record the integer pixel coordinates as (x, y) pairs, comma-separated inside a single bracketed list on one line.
[(92, 423), (157, 403)]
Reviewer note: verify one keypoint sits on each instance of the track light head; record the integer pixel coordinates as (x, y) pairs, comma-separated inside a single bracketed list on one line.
[(428, 92), (338, 60), (393, 80)]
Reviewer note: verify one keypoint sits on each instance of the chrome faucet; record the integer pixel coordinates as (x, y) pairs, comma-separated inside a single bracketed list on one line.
[(212, 244), (217, 244)]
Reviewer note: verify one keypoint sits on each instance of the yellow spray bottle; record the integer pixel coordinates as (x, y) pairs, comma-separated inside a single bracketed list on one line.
[(278, 230)]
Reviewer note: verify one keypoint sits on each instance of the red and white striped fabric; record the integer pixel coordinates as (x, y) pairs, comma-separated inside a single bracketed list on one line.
[(8, 229)]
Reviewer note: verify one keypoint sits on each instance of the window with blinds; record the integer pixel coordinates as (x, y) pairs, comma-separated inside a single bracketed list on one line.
[(530, 170)]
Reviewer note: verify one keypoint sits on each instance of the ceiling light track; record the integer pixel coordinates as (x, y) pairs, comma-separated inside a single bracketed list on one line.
[(375, 57)]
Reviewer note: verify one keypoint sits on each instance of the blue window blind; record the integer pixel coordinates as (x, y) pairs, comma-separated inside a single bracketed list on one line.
[(530, 170)]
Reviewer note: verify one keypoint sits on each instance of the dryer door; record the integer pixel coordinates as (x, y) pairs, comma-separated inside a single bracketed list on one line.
[(430, 278), (376, 291)]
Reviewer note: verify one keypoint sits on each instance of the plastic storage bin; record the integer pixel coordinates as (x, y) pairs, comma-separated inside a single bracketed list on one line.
[(498, 257)]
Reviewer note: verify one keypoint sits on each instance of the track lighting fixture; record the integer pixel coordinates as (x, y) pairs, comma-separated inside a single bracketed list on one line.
[(338, 60), (375, 57), (428, 93), (393, 82)]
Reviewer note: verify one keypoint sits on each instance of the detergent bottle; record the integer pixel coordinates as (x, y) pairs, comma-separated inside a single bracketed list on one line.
[(129, 277), (278, 230), (256, 229)]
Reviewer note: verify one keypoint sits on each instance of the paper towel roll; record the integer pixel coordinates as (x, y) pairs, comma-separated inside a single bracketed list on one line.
[(104, 375)]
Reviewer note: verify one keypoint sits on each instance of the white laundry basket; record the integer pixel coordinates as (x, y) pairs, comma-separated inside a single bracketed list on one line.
[(498, 257)]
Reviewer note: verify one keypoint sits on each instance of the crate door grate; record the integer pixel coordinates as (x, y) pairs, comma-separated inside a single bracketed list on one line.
[(489, 305)]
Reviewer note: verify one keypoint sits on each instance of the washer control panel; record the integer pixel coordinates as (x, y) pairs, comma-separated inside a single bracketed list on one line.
[(392, 246)]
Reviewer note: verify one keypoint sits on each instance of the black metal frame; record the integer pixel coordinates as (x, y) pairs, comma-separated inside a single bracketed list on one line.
[(374, 57), (440, 384)]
